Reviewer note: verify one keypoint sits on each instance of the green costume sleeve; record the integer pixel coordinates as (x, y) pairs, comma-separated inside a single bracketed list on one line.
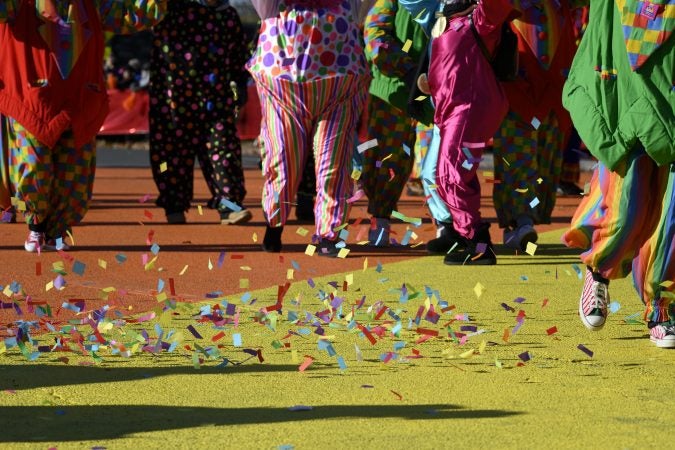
[(7, 10), (129, 16)]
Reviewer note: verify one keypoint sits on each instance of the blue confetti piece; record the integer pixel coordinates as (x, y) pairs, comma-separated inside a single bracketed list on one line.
[(406, 237), (246, 297), (614, 306), (341, 363), (578, 271), (236, 340), (344, 234), (160, 285), (230, 205), (121, 258), (154, 249), (378, 269), (524, 278), (79, 267), (295, 265)]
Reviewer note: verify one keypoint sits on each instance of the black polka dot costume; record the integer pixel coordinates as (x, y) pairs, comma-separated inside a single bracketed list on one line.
[(198, 51)]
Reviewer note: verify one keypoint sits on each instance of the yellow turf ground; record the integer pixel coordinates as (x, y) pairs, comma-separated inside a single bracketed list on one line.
[(508, 383)]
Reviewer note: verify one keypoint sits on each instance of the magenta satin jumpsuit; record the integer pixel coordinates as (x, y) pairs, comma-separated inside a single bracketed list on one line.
[(470, 106)]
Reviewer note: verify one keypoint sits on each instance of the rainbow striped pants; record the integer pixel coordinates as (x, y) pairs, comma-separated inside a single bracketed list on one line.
[(627, 223), (55, 183), (299, 118)]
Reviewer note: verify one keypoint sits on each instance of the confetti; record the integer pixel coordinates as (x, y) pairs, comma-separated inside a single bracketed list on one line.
[(366, 145), (585, 349)]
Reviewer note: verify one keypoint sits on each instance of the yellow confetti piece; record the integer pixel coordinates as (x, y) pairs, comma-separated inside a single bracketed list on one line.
[(506, 162), (478, 289), (433, 186), (365, 264), (498, 363), (421, 98), (343, 253), (161, 296), (255, 237), (407, 45), (488, 174), (72, 239), (521, 191), (7, 291), (246, 268), (531, 248), (339, 228), (182, 272), (427, 305), (102, 264), (289, 274), (302, 231), (466, 354), (294, 356), (151, 264), (540, 180), (210, 265), (413, 236), (310, 250), (356, 174), (199, 210), (417, 244), (162, 167), (49, 286), (349, 278), (666, 284), (363, 242), (243, 283), (481, 348), (19, 205)]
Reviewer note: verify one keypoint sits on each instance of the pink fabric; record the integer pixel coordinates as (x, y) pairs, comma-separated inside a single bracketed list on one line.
[(470, 105)]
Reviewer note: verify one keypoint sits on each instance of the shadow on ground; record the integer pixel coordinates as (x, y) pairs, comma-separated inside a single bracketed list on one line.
[(21, 376), (105, 422)]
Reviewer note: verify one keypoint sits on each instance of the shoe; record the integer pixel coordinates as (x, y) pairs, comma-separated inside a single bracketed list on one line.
[(447, 238), (594, 300), (378, 235), (328, 248), (34, 242), (272, 240), (519, 237), (235, 217), (569, 188), (414, 188), (52, 244), (477, 252), (304, 208), (175, 218), (663, 334)]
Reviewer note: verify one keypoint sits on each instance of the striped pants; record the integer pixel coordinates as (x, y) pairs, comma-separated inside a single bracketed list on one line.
[(627, 223), (387, 166), (527, 165), (299, 118), (55, 183)]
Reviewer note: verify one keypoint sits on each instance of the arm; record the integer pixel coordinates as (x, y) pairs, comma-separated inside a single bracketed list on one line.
[(7, 10), (266, 8), (240, 54), (383, 49), (128, 16), (490, 14)]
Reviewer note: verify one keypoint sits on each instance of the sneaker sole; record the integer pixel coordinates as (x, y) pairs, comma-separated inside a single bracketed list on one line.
[(587, 324), (663, 343), (237, 218)]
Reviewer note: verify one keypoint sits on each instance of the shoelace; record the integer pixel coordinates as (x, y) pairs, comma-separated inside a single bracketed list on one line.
[(670, 329), (600, 295)]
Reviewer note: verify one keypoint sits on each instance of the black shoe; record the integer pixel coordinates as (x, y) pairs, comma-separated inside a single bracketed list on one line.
[(569, 188), (478, 252), (272, 240), (448, 239), (304, 209), (328, 248)]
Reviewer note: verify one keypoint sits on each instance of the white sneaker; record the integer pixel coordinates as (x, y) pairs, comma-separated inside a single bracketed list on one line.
[(34, 242), (56, 245), (519, 237), (663, 335), (379, 235), (593, 302)]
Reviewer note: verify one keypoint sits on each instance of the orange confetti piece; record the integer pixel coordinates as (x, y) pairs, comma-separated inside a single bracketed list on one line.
[(306, 363), (506, 335), (400, 397)]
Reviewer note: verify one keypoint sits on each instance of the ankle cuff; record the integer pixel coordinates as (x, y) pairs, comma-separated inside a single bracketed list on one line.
[(597, 277)]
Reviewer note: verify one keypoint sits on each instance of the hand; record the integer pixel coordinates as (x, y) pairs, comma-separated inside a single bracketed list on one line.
[(423, 84)]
